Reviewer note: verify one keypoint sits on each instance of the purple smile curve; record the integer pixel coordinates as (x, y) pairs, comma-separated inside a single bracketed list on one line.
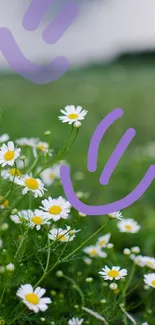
[(109, 168)]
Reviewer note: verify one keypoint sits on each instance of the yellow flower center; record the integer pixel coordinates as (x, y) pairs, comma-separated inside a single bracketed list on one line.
[(55, 210), (15, 172), (93, 252), (9, 155), (72, 116), (32, 298), (149, 263), (32, 183), (153, 283), (128, 227), (102, 242), (61, 237), (5, 204), (113, 273), (37, 220), (51, 175), (42, 147)]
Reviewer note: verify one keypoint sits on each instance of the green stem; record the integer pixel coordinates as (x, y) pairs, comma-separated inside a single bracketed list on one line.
[(86, 241), (33, 165), (77, 288), (16, 317)]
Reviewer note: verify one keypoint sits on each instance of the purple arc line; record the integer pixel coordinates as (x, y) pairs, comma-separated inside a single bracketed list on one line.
[(107, 208), (34, 14), (98, 135), (116, 156), (27, 69), (61, 23)]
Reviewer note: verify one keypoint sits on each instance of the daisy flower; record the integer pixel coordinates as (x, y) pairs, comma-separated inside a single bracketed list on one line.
[(37, 219), (50, 174), (22, 216), (116, 215), (33, 298), (31, 184), (149, 279), (8, 154), (56, 208), (60, 234), (149, 262), (128, 225), (75, 321), (43, 147), (4, 137), (72, 114), (113, 274), (95, 251), (138, 260), (13, 174), (103, 240)]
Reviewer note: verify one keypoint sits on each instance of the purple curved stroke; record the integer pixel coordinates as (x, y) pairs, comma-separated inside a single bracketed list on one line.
[(27, 69), (61, 23), (98, 135), (33, 16), (116, 156), (107, 208)]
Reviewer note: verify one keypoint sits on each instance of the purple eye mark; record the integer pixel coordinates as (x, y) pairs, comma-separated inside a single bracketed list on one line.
[(51, 35), (108, 170)]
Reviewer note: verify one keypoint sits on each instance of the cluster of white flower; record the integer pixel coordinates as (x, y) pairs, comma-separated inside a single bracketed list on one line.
[(18, 168)]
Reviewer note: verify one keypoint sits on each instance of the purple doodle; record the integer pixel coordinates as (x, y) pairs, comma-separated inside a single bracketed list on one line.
[(56, 29), (107, 172)]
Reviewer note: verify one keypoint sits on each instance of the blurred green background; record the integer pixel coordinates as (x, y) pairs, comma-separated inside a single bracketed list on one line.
[(28, 110)]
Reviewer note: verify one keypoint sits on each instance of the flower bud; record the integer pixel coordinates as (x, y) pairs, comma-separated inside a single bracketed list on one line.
[(77, 124), (113, 286)]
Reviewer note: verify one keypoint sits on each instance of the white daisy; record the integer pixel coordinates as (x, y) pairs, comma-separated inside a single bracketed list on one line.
[(50, 174), (34, 218), (60, 234), (38, 219), (33, 298), (72, 114), (21, 217), (149, 279), (95, 251), (128, 225), (30, 142), (75, 321), (8, 154), (113, 274), (34, 185), (56, 208), (43, 146), (116, 215), (103, 240), (13, 174), (149, 262), (4, 137), (138, 260)]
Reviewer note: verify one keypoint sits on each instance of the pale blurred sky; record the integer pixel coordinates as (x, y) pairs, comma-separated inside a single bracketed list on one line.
[(103, 30)]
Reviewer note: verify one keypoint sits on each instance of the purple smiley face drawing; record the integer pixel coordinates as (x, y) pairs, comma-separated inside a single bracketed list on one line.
[(107, 171)]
